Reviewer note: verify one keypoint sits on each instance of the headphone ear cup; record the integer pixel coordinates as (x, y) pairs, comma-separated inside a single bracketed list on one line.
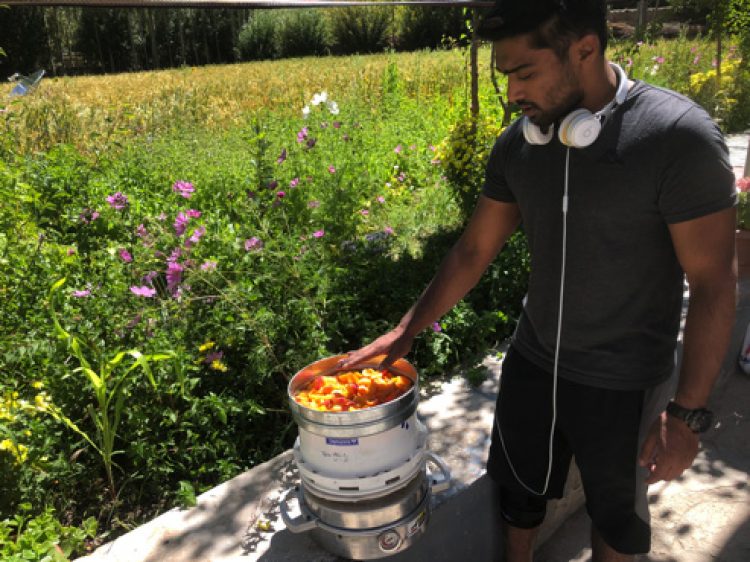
[(579, 129), (534, 134)]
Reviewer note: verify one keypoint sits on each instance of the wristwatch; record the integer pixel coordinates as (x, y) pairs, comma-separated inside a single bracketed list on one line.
[(698, 420)]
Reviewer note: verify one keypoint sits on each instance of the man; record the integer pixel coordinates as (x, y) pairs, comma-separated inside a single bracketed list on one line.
[(623, 189)]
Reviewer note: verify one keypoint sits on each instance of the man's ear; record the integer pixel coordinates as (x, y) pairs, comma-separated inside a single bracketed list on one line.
[(584, 49)]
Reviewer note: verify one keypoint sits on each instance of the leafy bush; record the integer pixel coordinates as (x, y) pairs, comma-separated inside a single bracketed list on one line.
[(257, 38), (360, 29), (302, 33), (429, 27)]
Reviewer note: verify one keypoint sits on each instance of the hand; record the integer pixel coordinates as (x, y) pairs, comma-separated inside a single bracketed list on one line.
[(670, 448), (394, 345)]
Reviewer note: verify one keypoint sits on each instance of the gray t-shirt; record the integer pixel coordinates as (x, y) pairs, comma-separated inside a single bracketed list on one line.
[(659, 160)]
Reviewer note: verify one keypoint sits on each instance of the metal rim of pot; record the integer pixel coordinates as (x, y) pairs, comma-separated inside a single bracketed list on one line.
[(354, 423)]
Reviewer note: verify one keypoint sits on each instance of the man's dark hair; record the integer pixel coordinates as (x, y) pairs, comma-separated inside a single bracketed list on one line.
[(551, 24)]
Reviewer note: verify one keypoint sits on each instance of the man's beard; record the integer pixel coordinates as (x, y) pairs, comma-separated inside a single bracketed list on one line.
[(544, 119)]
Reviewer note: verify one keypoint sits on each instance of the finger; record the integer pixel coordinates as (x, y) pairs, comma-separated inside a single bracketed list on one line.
[(648, 450)]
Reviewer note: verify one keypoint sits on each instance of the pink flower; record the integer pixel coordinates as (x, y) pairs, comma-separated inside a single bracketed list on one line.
[(282, 157), (281, 194), (336, 124), (388, 230), (398, 149), (118, 201), (696, 59), (125, 255), (380, 199), (88, 216), (294, 182), (743, 184), (436, 327), (194, 214), (302, 135), (208, 266), (431, 147), (331, 169), (150, 276), (253, 244), (364, 212), (82, 294), (180, 223), (70, 251), (313, 204), (195, 237), (141, 231), (319, 233), (184, 188), (659, 60), (174, 275), (143, 291), (161, 217)]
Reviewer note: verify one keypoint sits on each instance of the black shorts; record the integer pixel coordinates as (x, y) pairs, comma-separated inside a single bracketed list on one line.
[(600, 427)]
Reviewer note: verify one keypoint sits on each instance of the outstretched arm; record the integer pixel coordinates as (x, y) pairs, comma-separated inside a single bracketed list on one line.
[(490, 226), (705, 248)]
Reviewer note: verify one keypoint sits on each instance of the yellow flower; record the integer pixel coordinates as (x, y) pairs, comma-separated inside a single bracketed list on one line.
[(217, 365), (40, 401), (37, 384), (206, 346), (20, 452)]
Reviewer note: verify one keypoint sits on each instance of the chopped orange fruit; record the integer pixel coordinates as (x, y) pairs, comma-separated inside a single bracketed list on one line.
[(352, 390)]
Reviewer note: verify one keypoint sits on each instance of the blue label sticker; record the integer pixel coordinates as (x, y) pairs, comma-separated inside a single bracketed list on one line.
[(342, 441)]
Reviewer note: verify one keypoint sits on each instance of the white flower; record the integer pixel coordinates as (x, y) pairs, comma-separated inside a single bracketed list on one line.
[(319, 98), (333, 107), (306, 111), (654, 69)]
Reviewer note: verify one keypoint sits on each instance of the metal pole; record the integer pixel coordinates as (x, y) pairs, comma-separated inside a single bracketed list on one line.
[(746, 171)]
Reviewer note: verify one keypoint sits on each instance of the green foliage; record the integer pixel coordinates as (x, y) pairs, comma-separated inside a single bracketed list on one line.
[(303, 33), (429, 27), (360, 29), (257, 39), (25, 537)]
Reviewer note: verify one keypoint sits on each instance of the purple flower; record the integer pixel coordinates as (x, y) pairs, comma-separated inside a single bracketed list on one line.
[(88, 215), (311, 142), (141, 231), (195, 237), (331, 169), (175, 255), (125, 255), (319, 233), (82, 294), (208, 265), (337, 124), (294, 182), (174, 275), (184, 188), (281, 194), (313, 204), (302, 135), (388, 230), (149, 277), (213, 356), (253, 244), (436, 327), (118, 201), (251, 194), (193, 214), (282, 156), (143, 291), (273, 184), (70, 251), (180, 223)]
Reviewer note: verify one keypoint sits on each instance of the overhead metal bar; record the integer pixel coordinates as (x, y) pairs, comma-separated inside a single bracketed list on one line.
[(245, 3)]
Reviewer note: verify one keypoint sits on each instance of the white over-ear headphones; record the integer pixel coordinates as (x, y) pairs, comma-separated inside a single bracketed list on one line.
[(580, 128)]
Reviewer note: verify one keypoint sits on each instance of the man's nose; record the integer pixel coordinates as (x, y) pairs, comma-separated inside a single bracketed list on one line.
[(515, 91)]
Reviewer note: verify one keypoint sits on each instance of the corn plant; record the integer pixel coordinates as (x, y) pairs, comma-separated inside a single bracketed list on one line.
[(107, 381)]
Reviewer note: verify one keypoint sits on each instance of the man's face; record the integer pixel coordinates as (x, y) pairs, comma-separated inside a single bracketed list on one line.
[(543, 86)]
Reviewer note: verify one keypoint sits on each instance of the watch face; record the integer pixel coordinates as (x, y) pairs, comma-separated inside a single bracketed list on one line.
[(699, 420)]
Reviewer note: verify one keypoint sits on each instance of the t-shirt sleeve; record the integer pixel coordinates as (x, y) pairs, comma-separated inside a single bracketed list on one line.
[(696, 178), (495, 180)]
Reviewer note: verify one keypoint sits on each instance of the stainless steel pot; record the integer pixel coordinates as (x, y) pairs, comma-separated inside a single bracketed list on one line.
[(354, 423)]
